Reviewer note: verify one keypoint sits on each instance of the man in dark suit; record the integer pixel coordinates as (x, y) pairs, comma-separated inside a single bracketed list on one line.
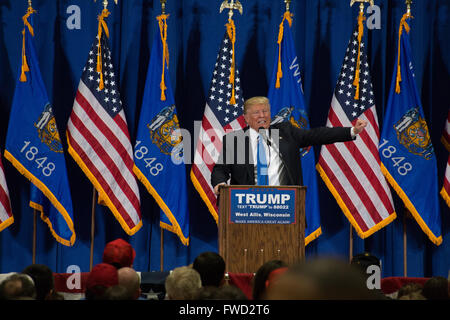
[(282, 143)]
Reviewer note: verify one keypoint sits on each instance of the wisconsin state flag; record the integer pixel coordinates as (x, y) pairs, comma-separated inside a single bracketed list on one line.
[(33, 144)]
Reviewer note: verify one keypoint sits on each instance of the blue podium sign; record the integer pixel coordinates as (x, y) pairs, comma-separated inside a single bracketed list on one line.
[(262, 205)]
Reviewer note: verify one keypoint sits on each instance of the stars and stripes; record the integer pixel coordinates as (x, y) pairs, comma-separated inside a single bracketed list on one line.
[(220, 117), (351, 170), (6, 217), (99, 140)]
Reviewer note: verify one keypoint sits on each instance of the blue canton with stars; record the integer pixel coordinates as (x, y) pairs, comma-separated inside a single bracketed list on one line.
[(109, 97), (345, 90), (221, 88)]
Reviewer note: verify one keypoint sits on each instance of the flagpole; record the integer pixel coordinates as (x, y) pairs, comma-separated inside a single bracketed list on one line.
[(34, 235), (91, 256), (405, 242), (350, 249), (162, 250)]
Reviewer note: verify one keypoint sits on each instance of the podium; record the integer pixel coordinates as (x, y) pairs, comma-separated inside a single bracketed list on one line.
[(247, 239)]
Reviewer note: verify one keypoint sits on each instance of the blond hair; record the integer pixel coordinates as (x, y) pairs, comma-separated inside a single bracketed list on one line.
[(254, 101)]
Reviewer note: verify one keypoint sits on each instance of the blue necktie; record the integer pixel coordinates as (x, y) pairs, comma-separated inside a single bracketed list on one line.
[(263, 178)]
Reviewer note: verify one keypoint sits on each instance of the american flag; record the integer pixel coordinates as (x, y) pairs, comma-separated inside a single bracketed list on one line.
[(445, 192), (352, 170), (446, 135), (99, 140), (220, 117), (6, 217)]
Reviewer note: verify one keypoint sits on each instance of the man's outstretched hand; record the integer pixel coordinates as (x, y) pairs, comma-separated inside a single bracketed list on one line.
[(359, 126)]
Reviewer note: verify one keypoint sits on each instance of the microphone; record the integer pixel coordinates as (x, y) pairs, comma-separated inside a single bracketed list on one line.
[(262, 132)]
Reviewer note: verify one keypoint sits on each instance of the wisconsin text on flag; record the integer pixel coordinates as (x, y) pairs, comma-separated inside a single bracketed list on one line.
[(6, 217), (33, 143), (159, 148), (409, 161), (98, 136), (222, 115), (351, 170), (288, 104)]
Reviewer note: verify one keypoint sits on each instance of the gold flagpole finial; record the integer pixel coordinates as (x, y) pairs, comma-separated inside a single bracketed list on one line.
[(288, 4), (361, 5), (30, 4), (232, 5), (408, 6), (105, 3), (163, 6)]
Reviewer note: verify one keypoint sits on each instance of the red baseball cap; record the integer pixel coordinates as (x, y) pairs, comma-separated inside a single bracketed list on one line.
[(119, 253), (102, 274)]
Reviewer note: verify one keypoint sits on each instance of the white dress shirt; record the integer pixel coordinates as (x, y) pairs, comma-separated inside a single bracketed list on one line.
[(274, 165)]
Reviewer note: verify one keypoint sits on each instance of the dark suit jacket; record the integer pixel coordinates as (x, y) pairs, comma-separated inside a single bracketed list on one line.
[(236, 159)]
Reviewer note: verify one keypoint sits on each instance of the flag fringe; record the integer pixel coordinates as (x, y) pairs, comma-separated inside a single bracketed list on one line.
[(175, 227), (43, 188), (5, 224), (408, 204), (362, 234), (446, 143), (443, 193), (313, 236), (44, 218), (101, 193), (205, 198)]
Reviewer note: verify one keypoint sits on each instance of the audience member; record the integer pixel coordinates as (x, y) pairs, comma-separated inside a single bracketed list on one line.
[(101, 277), (436, 288), (261, 277), (363, 261), (119, 253), (321, 279), (43, 282), (409, 289), (229, 292), (225, 292), (117, 293), (183, 283), (415, 295), (129, 279), (17, 287), (211, 268)]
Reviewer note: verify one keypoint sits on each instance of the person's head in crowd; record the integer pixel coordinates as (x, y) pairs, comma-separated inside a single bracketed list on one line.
[(322, 279), (365, 260), (225, 292), (211, 268), (415, 295), (409, 288), (129, 279), (260, 281), (229, 292), (117, 293), (43, 281), (17, 287), (183, 283), (436, 288), (119, 253), (101, 277)]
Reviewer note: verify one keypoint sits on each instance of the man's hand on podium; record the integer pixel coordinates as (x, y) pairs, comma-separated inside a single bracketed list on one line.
[(216, 188)]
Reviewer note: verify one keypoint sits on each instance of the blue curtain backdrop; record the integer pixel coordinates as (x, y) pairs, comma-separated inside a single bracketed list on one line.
[(321, 32)]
